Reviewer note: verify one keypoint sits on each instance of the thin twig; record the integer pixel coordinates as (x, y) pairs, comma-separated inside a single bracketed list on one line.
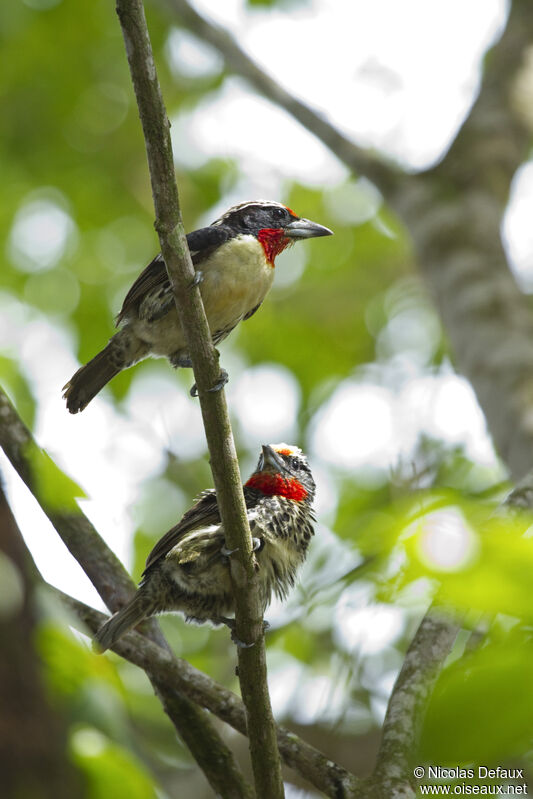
[(224, 464), (115, 587)]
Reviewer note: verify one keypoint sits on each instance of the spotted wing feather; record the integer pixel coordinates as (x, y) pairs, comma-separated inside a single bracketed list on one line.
[(202, 514)]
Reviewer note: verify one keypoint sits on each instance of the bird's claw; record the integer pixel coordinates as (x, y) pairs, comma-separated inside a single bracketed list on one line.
[(256, 544), (227, 552), (240, 644), (237, 641), (197, 279), (222, 380)]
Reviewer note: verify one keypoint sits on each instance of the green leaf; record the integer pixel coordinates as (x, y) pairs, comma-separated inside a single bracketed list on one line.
[(482, 707), (17, 388), (58, 491), (109, 769), (480, 563)]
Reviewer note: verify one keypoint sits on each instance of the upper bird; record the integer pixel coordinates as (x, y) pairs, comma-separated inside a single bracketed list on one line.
[(234, 264)]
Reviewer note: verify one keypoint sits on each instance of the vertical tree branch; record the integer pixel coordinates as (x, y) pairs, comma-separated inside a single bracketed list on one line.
[(324, 774), (116, 587), (224, 464)]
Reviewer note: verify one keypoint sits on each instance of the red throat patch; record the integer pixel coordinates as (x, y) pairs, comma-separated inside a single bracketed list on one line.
[(274, 485), (273, 241)]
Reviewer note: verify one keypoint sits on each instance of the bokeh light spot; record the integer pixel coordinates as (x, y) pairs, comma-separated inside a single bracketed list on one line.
[(266, 399), (190, 57), (446, 541), (41, 233), (355, 427)]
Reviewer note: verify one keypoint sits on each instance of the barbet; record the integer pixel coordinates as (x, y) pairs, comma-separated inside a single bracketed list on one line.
[(234, 264), (188, 569)]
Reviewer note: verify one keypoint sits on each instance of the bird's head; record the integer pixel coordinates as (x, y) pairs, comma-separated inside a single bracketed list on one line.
[(283, 470), (274, 225)]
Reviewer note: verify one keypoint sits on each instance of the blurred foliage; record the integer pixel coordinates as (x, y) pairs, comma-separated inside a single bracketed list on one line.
[(491, 685), (16, 387), (72, 147), (57, 490)]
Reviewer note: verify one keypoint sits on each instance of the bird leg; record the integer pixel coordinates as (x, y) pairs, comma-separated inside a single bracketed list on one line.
[(222, 380)]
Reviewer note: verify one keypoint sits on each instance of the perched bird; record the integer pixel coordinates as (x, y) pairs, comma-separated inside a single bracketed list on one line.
[(188, 569), (234, 264)]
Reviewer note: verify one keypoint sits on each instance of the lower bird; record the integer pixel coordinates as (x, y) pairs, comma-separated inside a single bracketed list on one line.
[(234, 265), (188, 569)]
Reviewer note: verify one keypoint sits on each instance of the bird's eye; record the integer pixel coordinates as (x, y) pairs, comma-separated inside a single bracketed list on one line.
[(279, 213), (295, 464)]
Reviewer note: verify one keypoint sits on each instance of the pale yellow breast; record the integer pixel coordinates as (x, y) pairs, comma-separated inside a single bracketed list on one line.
[(237, 277)]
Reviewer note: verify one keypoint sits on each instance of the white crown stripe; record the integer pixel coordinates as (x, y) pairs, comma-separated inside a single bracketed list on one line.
[(248, 204)]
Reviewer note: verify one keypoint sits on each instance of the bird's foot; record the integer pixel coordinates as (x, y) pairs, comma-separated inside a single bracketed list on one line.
[(237, 641), (197, 279), (256, 544), (222, 380), (227, 552)]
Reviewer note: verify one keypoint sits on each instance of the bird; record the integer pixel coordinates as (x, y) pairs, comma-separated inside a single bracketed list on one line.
[(234, 261), (188, 570)]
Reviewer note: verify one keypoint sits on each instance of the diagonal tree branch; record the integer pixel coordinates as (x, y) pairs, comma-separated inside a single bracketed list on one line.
[(115, 587), (224, 464), (453, 212), (240, 63), (172, 677), (405, 712), (178, 674), (425, 656)]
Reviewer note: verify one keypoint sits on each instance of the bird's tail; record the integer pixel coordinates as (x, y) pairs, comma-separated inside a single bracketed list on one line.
[(129, 616), (91, 378)]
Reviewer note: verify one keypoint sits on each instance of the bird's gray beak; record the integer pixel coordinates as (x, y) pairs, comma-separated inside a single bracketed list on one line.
[(305, 229), (270, 460)]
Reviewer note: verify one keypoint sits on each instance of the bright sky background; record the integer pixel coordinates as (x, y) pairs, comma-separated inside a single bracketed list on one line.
[(396, 76)]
